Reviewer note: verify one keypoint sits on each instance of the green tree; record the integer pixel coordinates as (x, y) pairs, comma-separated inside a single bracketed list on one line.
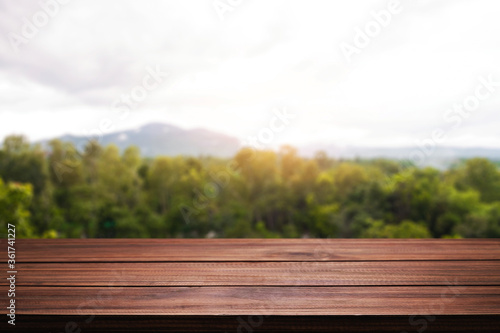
[(14, 201), (406, 229), (483, 176)]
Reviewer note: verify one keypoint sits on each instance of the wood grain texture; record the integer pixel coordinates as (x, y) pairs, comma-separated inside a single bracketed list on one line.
[(383, 273), (298, 285), (292, 301), (140, 250)]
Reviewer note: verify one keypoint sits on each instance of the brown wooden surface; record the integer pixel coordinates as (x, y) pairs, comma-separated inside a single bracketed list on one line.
[(295, 278), (290, 301), (382, 273), (140, 250)]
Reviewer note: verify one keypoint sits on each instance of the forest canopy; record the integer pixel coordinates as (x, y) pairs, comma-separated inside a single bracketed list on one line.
[(60, 191)]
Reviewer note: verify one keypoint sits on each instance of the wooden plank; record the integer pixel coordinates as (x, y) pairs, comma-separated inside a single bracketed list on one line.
[(290, 301), (260, 273), (137, 250), (247, 324), (305, 285)]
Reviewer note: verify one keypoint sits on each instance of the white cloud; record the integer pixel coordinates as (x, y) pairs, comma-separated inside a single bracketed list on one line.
[(228, 75)]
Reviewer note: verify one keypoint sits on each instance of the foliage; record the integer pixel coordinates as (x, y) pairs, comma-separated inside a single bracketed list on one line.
[(14, 200), (62, 191)]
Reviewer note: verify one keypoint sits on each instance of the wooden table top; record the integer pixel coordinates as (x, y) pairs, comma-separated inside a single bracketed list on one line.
[(281, 277)]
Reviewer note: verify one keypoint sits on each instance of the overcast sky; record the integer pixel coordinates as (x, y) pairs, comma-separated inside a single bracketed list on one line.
[(230, 67)]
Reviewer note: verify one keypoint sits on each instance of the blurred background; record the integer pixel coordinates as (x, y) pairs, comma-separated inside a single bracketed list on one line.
[(250, 118)]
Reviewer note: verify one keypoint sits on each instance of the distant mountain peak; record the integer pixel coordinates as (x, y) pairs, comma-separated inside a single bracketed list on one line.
[(159, 127), (156, 139)]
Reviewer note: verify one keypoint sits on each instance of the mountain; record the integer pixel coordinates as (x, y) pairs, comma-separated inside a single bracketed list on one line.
[(403, 152), (162, 139), (439, 156)]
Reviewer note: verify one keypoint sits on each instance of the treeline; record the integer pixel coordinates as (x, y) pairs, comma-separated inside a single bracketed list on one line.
[(100, 192)]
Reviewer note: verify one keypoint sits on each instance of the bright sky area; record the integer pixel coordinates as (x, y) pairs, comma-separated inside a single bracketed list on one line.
[(230, 63)]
